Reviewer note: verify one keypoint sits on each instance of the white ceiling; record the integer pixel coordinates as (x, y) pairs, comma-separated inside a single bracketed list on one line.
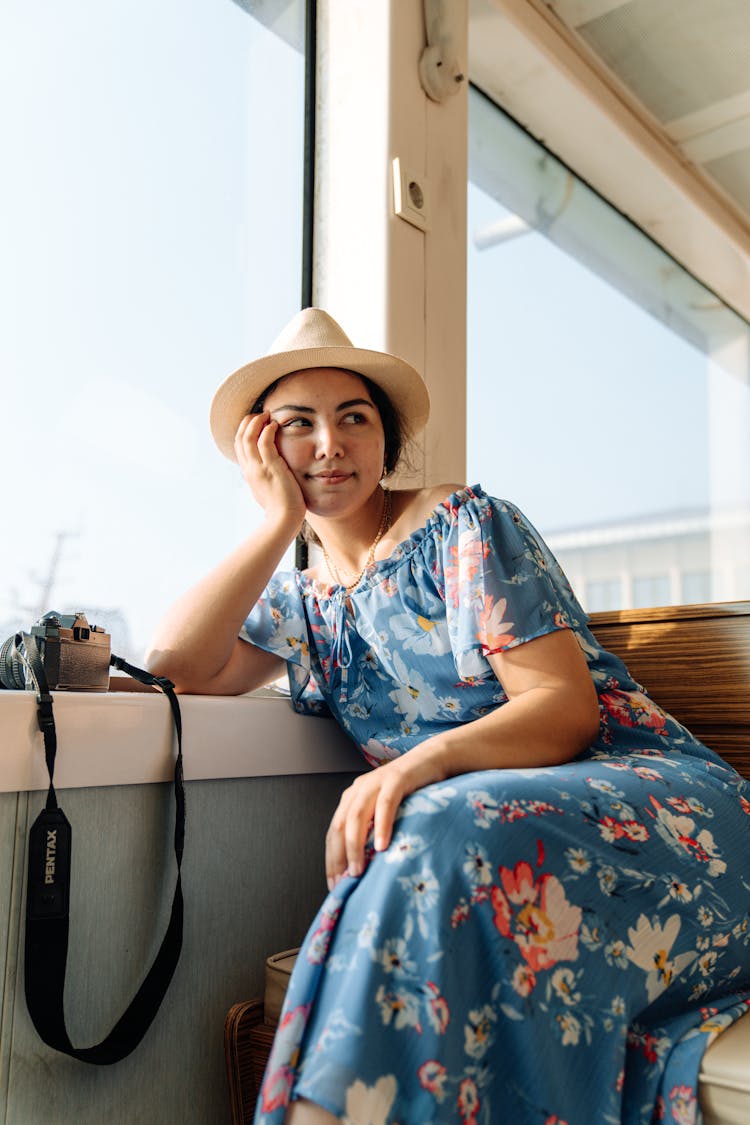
[(688, 63), (648, 100)]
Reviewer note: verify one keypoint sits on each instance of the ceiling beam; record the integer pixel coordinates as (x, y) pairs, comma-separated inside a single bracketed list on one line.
[(525, 58)]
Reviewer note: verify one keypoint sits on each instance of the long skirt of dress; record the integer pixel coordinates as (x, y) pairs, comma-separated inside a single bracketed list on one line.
[(551, 946)]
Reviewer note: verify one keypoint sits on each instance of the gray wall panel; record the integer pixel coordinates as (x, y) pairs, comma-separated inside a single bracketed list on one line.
[(253, 879)]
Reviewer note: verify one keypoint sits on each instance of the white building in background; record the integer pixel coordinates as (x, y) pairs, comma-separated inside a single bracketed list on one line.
[(668, 558)]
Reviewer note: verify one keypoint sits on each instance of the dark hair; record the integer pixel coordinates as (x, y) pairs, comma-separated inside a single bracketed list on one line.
[(259, 404), (394, 427), (393, 424)]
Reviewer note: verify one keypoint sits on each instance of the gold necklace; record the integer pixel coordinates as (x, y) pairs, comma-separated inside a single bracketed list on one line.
[(385, 522)]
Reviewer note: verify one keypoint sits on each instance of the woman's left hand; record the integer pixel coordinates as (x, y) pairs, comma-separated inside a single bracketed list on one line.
[(371, 802)]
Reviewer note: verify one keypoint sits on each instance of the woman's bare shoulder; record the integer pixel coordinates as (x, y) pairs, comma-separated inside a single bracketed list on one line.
[(412, 506), (440, 492)]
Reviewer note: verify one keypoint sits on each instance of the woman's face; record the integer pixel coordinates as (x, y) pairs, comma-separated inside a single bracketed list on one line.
[(330, 435)]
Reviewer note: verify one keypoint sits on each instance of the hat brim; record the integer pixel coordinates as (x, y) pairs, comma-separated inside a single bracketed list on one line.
[(237, 394)]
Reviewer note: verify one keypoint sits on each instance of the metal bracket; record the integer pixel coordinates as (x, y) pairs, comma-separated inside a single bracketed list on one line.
[(440, 72)]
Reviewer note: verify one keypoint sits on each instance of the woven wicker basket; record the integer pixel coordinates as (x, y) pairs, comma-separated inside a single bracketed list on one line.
[(278, 971), (249, 1030)]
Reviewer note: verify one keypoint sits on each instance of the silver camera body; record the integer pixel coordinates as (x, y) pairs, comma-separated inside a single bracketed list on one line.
[(75, 655)]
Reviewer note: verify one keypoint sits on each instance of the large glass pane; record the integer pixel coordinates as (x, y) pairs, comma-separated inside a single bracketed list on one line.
[(608, 391), (151, 226)]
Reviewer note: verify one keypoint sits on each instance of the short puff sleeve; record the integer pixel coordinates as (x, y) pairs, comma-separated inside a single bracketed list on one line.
[(503, 586), (278, 624)]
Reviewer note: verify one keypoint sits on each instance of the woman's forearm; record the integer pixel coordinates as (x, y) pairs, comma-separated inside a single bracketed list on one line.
[(551, 715), (544, 726), (196, 637)]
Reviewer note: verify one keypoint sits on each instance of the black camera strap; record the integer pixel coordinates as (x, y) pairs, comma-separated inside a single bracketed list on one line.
[(48, 897)]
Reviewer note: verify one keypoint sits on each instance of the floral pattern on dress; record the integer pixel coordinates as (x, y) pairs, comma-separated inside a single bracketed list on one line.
[(536, 945)]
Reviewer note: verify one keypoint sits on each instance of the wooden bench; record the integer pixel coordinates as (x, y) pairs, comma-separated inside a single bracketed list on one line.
[(695, 662)]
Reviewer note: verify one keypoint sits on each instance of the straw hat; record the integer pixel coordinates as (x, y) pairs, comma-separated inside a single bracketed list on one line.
[(314, 339)]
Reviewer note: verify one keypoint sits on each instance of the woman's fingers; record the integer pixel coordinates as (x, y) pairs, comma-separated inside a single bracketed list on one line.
[(345, 841), (356, 831), (372, 800), (246, 438), (386, 807), (335, 848), (266, 472), (267, 443), (255, 443)]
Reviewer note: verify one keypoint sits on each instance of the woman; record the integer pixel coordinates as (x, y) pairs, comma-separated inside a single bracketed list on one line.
[(534, 914)]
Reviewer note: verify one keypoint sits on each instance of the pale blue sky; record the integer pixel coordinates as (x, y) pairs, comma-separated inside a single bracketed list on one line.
[(596, 403), (150, 224)]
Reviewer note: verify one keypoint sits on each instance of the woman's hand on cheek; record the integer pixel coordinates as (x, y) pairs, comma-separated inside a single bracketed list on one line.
[(371, 802), (270, 479)]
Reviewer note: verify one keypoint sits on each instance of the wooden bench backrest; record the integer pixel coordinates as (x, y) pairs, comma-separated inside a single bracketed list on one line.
[(695, 662)]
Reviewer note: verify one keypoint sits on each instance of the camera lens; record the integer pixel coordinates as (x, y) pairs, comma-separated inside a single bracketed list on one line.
[(12, 668)]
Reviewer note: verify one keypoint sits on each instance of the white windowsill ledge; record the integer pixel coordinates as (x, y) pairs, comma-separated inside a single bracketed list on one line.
[(126, 738)]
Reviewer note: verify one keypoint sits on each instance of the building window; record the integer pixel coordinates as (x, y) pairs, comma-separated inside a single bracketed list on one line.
[(602, 594), (653, 589), (696, 587), (608, 392), (152, 226)]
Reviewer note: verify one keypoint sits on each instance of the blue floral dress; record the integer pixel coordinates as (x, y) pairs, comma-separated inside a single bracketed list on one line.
[(554, 946)]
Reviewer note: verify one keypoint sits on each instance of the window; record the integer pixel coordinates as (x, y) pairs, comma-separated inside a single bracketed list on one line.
[(151, 212), (608, 391), (601, 594), (696, 587), (651, 589)]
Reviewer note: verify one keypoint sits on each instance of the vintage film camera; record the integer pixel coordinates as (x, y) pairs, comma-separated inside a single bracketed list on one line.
[(75, 655)]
